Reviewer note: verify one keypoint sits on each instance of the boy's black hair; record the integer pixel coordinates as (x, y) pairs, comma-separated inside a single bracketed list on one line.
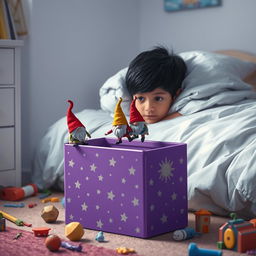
[(153, 69)]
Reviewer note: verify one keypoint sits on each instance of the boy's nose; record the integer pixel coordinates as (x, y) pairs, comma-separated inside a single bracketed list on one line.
[(149, 106)]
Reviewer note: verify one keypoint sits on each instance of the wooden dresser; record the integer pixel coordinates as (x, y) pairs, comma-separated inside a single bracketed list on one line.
[(10, 113)]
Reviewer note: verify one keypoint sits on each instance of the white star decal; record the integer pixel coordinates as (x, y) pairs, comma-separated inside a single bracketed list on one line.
[(93, 167), (71, 163), (112, 162), (100, 178), (97, 207), (84, 207), (137, 230), (110, 220), (132, 171), (152, 207), (71, 217), (111, 195), (181, 179), (97, 155), (99, 224), (164, 218), (174, 196), (159, 193), (181, 160), (68, 199), (81, 168), (123, 217), (151, 182), (123, 180), (98, 191), (135, 202), (77, 184)]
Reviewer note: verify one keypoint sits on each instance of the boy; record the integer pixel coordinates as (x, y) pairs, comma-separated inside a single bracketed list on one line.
[(154, 77)]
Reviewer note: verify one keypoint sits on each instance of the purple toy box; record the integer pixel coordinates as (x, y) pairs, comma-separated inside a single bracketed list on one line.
[(134, 188)]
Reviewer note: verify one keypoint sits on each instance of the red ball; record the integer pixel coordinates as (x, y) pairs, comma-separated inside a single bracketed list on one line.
[(53, 243)]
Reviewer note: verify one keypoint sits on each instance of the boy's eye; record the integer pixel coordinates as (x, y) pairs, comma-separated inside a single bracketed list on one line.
[(159, 98), (140, 98)]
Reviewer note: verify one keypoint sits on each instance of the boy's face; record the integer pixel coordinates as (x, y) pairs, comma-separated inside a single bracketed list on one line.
[(154, 105)]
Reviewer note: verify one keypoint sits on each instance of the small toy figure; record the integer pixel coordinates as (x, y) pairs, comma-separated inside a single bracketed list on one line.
[(184, 234), (124, 250), (77, 131), (17, 236), (193, 250), (137, 123), (120, 125), (100, 237)]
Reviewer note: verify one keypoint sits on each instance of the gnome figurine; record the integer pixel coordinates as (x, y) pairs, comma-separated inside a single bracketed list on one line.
[(77, 131), (137, 123), (120, 126)]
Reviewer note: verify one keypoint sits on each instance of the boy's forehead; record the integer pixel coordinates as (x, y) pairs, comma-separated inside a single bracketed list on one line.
[(157, 91)]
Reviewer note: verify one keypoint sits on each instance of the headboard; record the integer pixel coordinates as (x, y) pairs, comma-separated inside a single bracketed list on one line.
[(250, 78)]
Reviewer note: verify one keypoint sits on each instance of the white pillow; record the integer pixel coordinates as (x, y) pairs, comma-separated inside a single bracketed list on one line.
[(208, 74)]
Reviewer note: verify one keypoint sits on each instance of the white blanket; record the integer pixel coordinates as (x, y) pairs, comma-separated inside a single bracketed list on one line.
[(218, 125)]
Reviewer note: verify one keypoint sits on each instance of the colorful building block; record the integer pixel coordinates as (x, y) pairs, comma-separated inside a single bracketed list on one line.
[(133, 188), (50, 213), (74, 231), (238, 235), (202, 222), (2, 223), (193, 250)]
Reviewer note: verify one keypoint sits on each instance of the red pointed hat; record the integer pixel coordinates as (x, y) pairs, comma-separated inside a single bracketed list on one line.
[(72, 120), (135, 115)]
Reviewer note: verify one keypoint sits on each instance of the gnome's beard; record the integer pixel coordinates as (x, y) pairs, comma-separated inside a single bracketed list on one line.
[(119, 130), (137, 129), (79, 134)]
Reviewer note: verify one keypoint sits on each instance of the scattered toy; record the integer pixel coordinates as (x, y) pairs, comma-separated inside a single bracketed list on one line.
[(202, 221), (100, 237), (13, 219), (193, 250), (2, 223), (50, 213), (77, 131), (77, 248), (137, 123), (53, 243), (50, 199), (124, 250), (63, 202), (21, 205), (41, 231), (45, 194), (74, 231), (120, 126), (32, 205), (184, 234), (18, 235), (17, 193), (237, 235)]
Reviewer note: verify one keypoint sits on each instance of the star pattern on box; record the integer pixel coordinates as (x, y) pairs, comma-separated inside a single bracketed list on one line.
[(109, 191)]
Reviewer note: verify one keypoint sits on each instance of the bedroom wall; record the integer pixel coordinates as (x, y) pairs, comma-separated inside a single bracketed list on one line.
[(230, 26), (73, 46)]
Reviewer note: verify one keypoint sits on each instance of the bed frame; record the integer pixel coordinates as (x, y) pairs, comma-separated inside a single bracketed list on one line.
[(250, 78)]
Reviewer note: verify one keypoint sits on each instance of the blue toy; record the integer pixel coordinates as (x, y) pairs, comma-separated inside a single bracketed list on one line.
[(100, 237), (184, 234), (63, 202), (193, 250)]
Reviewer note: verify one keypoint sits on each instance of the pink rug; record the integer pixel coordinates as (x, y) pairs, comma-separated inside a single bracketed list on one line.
[(28, 244)]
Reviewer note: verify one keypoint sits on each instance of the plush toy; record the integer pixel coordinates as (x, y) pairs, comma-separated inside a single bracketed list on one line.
[(77, 131), (120, 126), (137, 123)]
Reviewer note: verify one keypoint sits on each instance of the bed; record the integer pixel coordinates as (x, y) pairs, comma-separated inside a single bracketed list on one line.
[(218, 123)]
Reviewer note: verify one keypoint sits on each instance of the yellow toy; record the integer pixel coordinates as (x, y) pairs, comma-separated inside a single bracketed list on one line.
[(74, 231), (50, 199), (12, 219), (50, 213), (124, 250)]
